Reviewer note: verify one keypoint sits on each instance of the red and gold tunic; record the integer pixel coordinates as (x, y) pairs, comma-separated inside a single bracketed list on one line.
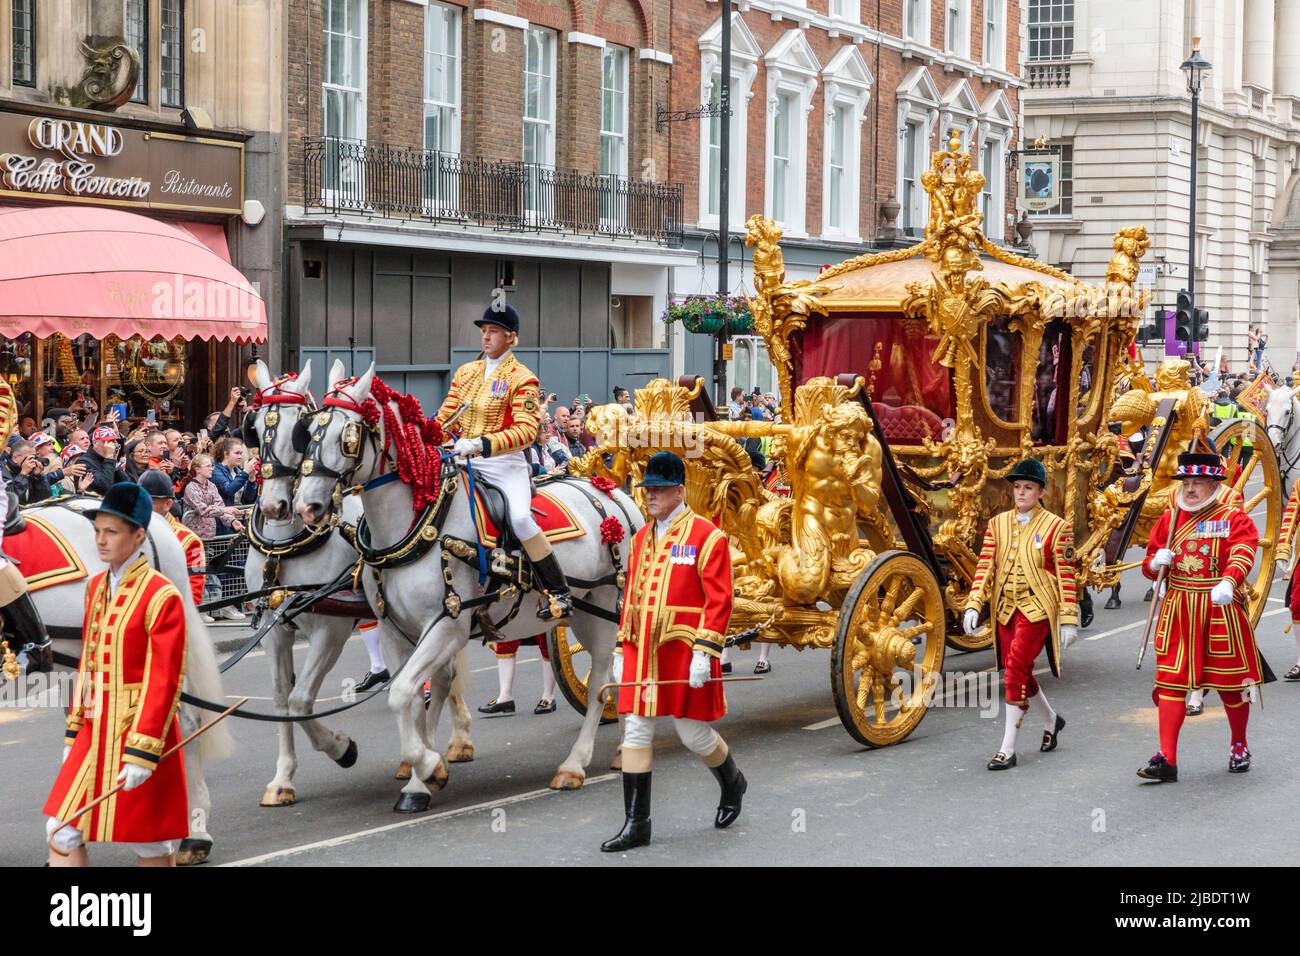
[(194, 557), (1027, 568), (1199, 643), (505, 408), (1286, 547), (124, 711), (678, 601)]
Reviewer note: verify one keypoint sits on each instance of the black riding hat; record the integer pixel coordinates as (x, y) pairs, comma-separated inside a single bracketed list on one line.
[(664, 470), (128, 501), (502, 314), (157, 484), (1200, 465), (1030, 469)]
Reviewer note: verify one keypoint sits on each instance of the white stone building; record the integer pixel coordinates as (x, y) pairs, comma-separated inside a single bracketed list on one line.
[(1103, 81)]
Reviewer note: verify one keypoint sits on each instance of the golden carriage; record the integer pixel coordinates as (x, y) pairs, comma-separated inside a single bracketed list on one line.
[(963, 358)]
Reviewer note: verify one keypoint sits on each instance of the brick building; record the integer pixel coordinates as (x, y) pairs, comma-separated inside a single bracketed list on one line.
[(437, 151), (837, 105)]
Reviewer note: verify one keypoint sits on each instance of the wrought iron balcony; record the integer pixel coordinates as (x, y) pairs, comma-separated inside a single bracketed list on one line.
[(345, 176)]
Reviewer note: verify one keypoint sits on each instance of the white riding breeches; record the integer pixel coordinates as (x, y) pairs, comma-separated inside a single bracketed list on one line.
[(70, 838), (697, 736), (511, 474)]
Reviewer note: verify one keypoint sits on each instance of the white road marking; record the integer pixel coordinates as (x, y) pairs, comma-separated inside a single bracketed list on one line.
[(444, 815)]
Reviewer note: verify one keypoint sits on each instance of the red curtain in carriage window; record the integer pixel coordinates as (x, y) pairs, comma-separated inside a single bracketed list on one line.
[(912, 393)]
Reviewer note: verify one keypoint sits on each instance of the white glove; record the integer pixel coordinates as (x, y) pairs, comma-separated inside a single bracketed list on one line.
[(1286, 568), (1163, 558), (67, 749), (1222, 593), (970, 621), (1068, 633), (699, 668), (468, 447), (134, 776), (616, 667)]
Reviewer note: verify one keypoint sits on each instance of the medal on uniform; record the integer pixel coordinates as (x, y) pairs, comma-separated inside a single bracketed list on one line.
[(499, 388)]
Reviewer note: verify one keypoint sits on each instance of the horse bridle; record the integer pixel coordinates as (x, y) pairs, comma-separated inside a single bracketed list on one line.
[(1283, 428), (272, 466), (351, 439)]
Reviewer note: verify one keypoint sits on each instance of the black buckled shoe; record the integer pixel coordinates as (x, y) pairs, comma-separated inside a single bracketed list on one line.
[(557, 603), (636, 807), (545, 706), (1160, 770), (762, 667), (1001, 761), (495, 706), (371, 681), (726, 668), (1195, 710), (1049, 736), (1239, 759), (733, 785), (1293, 674)]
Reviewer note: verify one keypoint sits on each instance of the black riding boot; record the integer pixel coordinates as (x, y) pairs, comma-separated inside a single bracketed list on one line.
[(636, 805), (734, 785), (551, 577), (1085, 609), (27, 633)]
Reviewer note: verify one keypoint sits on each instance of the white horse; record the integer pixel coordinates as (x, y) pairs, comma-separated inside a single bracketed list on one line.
[(62, 607), (416, 624), (1282, 412), (282, 402)]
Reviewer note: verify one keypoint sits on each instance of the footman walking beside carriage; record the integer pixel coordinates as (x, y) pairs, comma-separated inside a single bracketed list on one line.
[(1205, 544), (1285, 554), (674, 618), (1026, 573)]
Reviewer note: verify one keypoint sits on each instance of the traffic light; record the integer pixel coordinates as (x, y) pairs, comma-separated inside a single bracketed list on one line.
[(1200, 325), (1184, 319)]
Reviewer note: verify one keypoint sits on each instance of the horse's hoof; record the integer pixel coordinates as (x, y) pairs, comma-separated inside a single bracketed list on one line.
[(349, 756), (438, 779), (403, 771), (193, 852), (460, 753), (278, 797), (617, 762), (412, 802), (567, 780)]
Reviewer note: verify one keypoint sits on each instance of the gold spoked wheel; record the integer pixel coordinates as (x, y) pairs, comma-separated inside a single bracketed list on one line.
[(569, 659), (888, 653), (1259, 482)]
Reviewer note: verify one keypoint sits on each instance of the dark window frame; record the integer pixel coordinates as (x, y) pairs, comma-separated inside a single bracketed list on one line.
[(142, 82), (180, 55), (29, 7)]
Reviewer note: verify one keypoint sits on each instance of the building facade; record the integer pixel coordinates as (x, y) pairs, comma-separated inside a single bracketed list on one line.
[(1104, 84), (440, 151), (837, 106), (124, 128)]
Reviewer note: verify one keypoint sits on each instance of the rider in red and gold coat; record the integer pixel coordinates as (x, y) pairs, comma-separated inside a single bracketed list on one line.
[(674, 620), (1203, 636), (1285, 554), (123, 715)]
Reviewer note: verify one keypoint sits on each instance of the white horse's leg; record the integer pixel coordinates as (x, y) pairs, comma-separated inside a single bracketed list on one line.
[(326, 642), (597, 637), (195, 847), (279, 651), (461, 748), (405, 700)]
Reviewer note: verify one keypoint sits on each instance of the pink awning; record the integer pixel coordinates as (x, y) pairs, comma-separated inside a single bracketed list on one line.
[(84, 269)]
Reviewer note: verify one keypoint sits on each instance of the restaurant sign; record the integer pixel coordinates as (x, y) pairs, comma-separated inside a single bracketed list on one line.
[(72, 160)]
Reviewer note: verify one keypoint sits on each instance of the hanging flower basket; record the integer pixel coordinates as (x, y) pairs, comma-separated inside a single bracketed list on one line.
[(711, 315)]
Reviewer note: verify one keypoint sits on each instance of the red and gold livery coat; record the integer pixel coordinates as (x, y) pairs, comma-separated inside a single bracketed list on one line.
[(1028, 568), (194, 557), (678, 601), (504, 411), (1199, 643), (124, 711)]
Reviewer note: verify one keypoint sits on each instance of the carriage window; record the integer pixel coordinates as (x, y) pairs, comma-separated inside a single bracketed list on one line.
[(1050, 381), (1002, 370), (1087, 378), (912, 393)]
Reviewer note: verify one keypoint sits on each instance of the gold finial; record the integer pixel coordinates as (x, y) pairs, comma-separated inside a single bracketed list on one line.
[(1040, 143), (10, 666), (954, 140)]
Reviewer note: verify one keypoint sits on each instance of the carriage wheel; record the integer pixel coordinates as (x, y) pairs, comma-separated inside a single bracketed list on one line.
[(569, 658), (1260, 483), (888, 650)]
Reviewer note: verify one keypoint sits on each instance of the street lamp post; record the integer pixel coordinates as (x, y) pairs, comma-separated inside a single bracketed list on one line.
[(1195, 66)]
